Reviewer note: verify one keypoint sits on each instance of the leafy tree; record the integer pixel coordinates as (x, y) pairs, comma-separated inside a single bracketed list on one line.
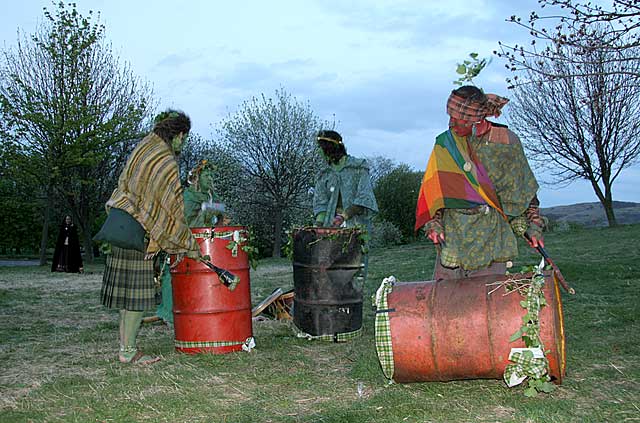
[(19, 216), (273, 141), (74, 112), (194, 149), (379, 167), (397, 196), (470, 68), (583, 26), (585, 123)]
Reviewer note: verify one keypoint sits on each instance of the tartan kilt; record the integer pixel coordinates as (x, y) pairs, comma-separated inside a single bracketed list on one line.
[(128, 281)]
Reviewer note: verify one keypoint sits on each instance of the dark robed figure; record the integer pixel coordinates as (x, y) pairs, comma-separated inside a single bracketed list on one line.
[(66, 256)]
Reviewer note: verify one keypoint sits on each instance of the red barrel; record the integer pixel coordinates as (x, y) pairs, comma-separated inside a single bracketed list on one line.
[(454, 329), (208, 316)]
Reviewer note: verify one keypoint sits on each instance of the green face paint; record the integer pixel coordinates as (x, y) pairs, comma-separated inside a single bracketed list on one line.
[(206, 180), (177, 142)]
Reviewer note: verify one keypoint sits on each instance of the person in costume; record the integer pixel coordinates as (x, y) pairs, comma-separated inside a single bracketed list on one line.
[(343, 195), (149, 190), (478, 193), (201, 206), (201, 209), (66, 256)]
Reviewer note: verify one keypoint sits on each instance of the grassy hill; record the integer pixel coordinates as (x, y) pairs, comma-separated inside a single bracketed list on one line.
[(592, 214), (58, 353)]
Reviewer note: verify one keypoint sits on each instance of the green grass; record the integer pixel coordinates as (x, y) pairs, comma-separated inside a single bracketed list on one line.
[(58, 354)]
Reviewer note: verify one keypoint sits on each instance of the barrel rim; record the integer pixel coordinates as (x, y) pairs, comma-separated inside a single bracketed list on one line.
[(325, 230), (218, 229)]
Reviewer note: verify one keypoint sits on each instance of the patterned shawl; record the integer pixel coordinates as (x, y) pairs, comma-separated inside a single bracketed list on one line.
[(455, 178), (149, 189)]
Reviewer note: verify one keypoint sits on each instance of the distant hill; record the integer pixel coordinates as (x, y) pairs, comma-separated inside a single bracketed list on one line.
[(592, 214)]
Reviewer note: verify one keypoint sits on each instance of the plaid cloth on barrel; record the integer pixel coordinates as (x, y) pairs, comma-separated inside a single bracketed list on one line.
[(207, 344), (336, 337), (383, 327), (455, 178), (465, 109), (525, 364)]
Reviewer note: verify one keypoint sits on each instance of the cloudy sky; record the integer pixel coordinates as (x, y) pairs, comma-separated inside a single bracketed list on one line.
[(381, 69)]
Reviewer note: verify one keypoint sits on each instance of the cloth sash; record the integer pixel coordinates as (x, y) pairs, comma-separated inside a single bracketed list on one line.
[(455, 179)]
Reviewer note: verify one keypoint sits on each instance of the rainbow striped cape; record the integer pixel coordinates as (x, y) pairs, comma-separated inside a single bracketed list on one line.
[(455, 179)]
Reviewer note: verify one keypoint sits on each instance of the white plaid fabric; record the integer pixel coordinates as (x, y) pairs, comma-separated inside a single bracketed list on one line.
[(383, 328), (336, 337), (212, 344)]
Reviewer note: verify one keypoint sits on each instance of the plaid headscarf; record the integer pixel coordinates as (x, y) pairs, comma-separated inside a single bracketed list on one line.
[(472, 110)]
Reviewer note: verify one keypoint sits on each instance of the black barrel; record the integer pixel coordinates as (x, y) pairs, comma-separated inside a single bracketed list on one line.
[(328, 293)]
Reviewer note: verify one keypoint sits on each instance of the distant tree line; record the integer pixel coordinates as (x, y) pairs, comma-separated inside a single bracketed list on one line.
[(71, 113)]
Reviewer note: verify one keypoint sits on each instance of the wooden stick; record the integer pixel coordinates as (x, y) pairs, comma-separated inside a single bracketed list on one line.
[(555, 268)]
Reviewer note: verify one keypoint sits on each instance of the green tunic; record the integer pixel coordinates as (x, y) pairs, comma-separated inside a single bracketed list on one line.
[(476, 238), (196, 218), (341, 186)]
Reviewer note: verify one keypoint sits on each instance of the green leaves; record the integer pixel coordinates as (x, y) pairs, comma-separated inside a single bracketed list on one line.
[(516, 336), (539, 385), (529, 332), (469, 69), (397, 194), (248, 246), (73, 110), (547, 387)]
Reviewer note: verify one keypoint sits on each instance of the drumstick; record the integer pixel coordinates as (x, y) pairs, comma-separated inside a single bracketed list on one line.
[(227, 278), (555, 268)]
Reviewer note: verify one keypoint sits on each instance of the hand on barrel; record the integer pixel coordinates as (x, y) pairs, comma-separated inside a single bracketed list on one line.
[(535, 242), (338, 220), (194, 254), (435, 231), (435, 236)]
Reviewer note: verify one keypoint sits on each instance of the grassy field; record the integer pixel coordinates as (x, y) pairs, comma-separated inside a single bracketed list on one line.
[(58, 354)]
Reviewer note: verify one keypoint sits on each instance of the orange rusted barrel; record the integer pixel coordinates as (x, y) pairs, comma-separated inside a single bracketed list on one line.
[(456, 329), (208, 316)]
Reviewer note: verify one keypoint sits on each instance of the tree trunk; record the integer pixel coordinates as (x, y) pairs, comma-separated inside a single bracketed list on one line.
[(87, 242), (45, 227), (88, 245), (608, 206), (611, 218), (277, 233), (606, 200)]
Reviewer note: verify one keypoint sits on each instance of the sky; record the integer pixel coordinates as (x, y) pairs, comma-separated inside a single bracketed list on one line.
[(381, 70)]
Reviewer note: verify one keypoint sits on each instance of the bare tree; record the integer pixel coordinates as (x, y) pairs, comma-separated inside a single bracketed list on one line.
[(584, 124), (73, 109), (583, 26), (379, 167), (273, 140)]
